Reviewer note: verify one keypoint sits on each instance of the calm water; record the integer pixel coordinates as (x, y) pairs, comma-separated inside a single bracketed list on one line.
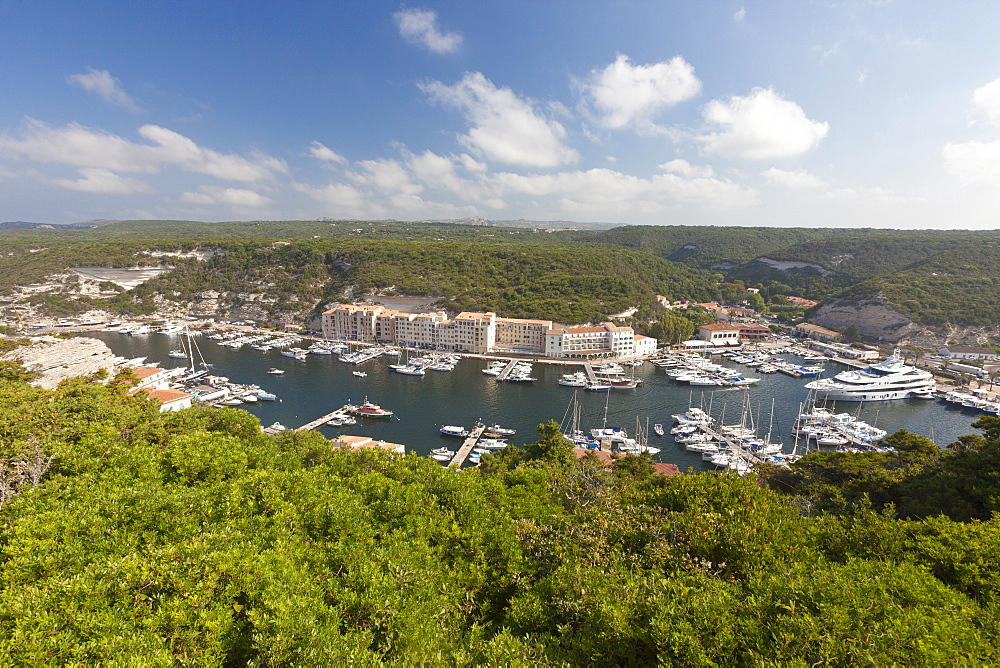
[(422, 404)]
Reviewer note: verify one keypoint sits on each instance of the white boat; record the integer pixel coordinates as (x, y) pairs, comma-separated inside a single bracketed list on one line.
[(890, 379), (442, 454), (360, 374), (276, 372), (177, 354), (492, 443), (450, 430), (703, 447), (693, 416), (499, 431), (658, 429), (597, 387)]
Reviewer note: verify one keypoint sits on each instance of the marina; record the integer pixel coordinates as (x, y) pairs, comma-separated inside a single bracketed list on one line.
[(317, 386)]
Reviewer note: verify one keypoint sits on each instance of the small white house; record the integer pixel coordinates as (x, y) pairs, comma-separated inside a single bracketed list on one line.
[(980, 353)]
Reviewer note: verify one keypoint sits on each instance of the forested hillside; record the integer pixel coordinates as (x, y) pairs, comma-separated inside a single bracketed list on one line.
[(192, 538), (934, 277)]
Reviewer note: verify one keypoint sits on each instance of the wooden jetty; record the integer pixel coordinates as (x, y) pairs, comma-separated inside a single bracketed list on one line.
[(339, 413), (588, 368), (734, 448), (506, 370), (467, 446)]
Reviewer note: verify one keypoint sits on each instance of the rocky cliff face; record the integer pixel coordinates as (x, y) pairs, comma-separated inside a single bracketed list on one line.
[(877, 320), (54, 360)]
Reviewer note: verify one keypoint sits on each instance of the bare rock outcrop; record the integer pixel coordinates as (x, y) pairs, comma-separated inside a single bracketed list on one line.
[(53, 360), (877, 320), (871, 318)]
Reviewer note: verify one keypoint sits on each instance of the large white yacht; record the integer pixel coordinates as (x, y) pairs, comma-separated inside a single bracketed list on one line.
[(891, 379)]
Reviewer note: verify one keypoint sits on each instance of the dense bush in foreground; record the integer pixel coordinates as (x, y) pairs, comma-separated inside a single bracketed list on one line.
[(193, 538)]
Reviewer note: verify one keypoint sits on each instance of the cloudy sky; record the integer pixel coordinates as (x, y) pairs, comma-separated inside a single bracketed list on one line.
[(825, 113)]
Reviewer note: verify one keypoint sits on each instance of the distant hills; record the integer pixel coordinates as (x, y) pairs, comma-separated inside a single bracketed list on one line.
[(86, 225), (581, 271)]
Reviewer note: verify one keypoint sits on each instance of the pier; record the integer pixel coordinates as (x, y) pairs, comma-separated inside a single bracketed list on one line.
[(734, 448), (339, 413), (506, 371), (361, 357), (467, 446), (588, 368)]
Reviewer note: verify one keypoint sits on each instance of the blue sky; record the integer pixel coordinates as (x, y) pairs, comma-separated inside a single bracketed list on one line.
[(824, 113)]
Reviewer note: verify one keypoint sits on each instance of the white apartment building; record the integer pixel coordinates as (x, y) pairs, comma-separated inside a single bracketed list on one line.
[(479, 333), (644, 345), (605, 340)]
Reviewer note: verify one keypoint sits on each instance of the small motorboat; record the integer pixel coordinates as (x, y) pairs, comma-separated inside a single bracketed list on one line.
[(360, 374), (658, 429), (276, 372), (449, 430), (442, 454)]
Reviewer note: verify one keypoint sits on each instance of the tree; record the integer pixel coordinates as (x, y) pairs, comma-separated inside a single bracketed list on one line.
[(672, 329)]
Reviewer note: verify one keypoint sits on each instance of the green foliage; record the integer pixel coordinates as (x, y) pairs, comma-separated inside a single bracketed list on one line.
[(671, 329), (932, 276), (192, 538)]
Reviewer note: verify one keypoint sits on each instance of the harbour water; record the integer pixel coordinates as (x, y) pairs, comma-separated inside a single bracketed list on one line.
[(319, 384)]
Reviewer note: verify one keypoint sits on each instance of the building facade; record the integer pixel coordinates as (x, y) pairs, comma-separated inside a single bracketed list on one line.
[(605, 340), (478, 333), (810, 331), (720, 334)]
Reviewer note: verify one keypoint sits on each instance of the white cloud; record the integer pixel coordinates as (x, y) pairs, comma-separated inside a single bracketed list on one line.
[(505, 127), (799, 179), (974, 163), (341, 195), (986, 101), (761, 125), (101, 83), (614, 194), (740, 15), (438, 171), (626, 94), (237, 197), (102, 181), (419, 26), (178, 149), (685, 168), (321, 152), (79, 146), (386, 176)]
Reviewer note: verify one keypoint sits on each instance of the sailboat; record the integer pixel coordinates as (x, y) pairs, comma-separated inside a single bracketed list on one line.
[(196, 360), (572, 431), (639, 444)]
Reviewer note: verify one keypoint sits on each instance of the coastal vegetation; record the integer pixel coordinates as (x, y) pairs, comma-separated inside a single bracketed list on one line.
[(193, 538), (933, 277)]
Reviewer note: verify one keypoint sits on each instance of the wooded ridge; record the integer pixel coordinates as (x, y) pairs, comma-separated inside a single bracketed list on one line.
[(933, 277)]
